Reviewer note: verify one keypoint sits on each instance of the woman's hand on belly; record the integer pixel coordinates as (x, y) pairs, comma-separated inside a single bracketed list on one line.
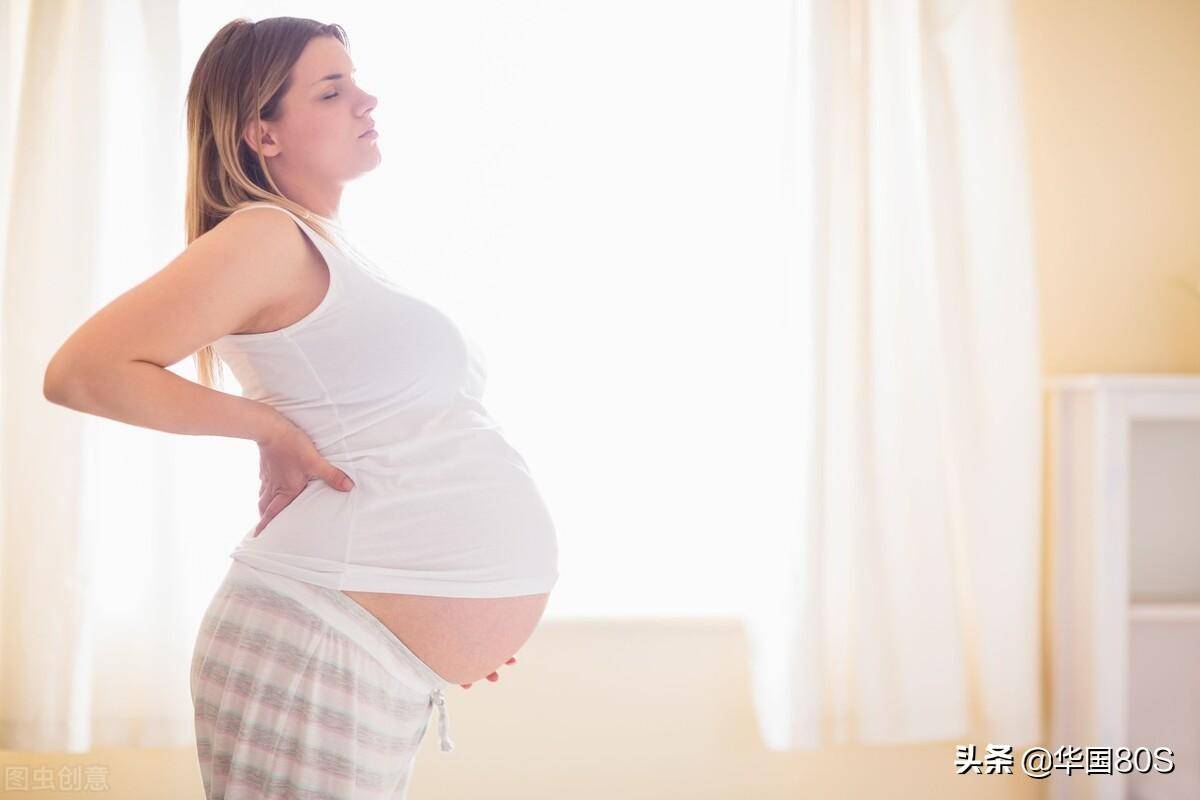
[(495, 676)]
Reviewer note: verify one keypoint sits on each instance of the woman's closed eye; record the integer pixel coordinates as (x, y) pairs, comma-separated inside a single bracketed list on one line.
[(330, 96)]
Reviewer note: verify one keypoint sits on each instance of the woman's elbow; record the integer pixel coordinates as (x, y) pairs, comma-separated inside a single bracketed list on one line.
[(60, 381)]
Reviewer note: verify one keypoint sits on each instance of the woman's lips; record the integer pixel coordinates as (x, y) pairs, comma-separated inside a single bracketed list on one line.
[(371, 134)]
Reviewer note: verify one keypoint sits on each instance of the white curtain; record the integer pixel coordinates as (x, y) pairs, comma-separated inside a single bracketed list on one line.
[(902, 603), (104, 565)]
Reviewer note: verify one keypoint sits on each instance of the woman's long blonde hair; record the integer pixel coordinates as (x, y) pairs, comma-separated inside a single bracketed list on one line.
[(241, 77)]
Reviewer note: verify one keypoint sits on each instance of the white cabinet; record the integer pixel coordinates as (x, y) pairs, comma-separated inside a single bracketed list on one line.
[(1124, 580)]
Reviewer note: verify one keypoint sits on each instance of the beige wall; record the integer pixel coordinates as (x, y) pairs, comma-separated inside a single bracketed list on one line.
[(1113, 106), (635, 710)]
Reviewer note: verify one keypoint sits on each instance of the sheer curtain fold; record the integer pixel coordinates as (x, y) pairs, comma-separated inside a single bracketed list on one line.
[(909, 607), (95, 629)]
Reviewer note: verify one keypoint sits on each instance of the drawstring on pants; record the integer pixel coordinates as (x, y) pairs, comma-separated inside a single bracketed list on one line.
[(440, 700)]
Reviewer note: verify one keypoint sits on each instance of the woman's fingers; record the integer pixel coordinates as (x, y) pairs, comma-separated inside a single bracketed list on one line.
[(277, 504), (495, 676), (266, 499), (336, 478)]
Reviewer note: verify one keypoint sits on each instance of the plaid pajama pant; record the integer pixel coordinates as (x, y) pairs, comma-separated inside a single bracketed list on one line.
[(300, 692)]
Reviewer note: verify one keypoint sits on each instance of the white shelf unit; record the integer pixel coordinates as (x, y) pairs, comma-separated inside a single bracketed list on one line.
[(1124, 591)]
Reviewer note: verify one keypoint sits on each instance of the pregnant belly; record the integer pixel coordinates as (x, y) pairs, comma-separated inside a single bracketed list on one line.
[(463, 639)]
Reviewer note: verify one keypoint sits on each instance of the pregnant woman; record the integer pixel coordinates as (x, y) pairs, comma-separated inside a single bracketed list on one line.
[(402, 544)]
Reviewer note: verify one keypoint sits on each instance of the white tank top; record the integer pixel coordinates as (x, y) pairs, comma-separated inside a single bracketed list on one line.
[(390, 391)]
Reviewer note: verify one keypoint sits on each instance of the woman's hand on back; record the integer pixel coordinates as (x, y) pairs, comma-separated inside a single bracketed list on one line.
[(288, 460)]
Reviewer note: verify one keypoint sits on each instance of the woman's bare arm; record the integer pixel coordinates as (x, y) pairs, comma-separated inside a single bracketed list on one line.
[(114, 365)]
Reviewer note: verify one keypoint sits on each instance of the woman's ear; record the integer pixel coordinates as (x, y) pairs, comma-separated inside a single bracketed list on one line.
[(257, 134)]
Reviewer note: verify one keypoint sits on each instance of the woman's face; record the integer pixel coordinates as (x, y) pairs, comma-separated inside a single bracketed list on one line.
[(318, 134)]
